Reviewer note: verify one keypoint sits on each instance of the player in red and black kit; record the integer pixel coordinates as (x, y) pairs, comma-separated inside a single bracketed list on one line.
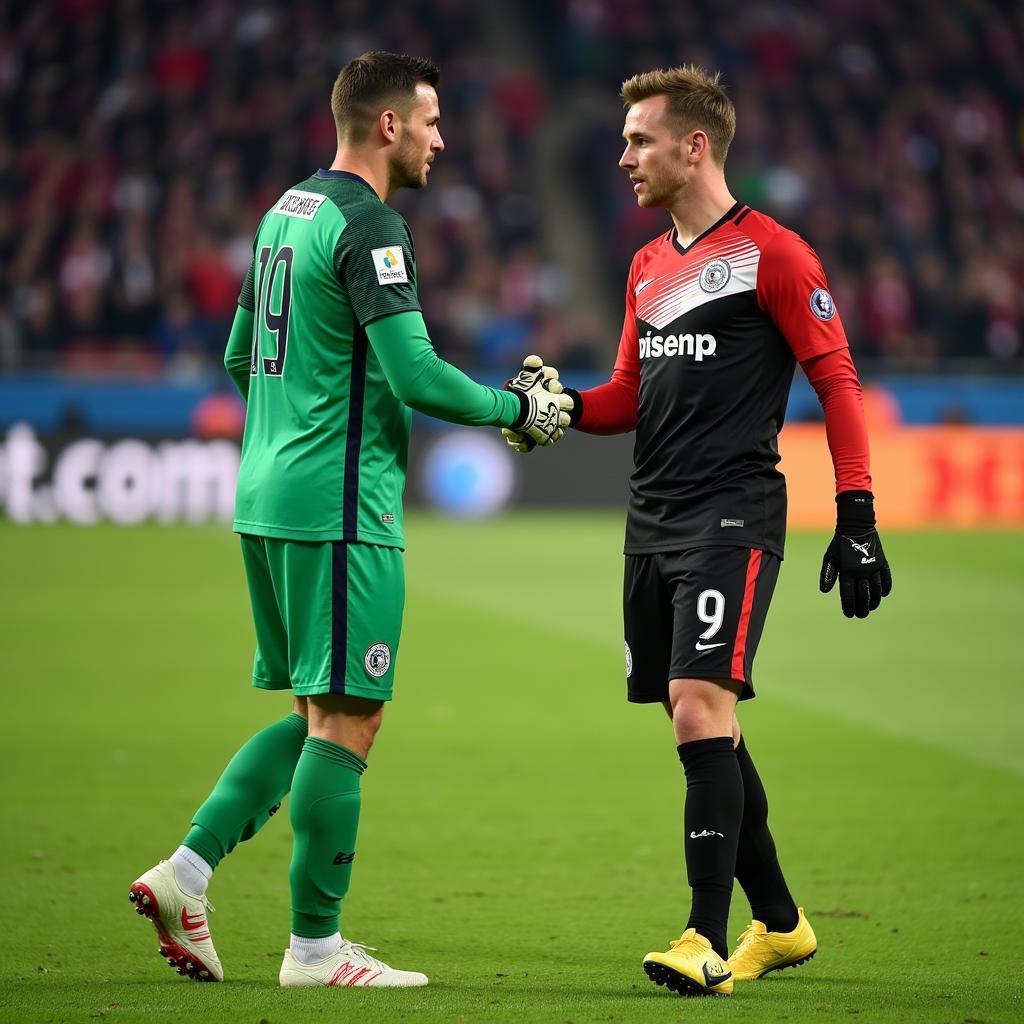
[(719, 310)]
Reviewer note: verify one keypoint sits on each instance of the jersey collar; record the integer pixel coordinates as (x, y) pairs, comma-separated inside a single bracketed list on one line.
[(684, 249), (323, 172)]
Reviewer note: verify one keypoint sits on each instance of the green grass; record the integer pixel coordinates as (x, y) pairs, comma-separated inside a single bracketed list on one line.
[(521, 837)]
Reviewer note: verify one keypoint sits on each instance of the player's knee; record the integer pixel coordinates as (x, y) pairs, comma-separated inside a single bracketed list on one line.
[(699, 713), (694, 720), (372, 723)]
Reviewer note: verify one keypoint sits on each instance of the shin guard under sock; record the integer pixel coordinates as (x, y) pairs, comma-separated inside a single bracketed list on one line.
[(757, 866), (249, 791), (714, 808), (325, 820)]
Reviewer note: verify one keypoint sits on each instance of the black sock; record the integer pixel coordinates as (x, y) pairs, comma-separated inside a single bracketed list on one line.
[(757, 866), (714, 809)]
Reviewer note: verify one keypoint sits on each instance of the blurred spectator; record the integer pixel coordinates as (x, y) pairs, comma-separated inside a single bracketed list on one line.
[(141, 143), (890, 135)]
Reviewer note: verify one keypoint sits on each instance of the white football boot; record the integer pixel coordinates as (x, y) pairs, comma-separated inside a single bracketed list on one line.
[(180, 922), (350, 966)]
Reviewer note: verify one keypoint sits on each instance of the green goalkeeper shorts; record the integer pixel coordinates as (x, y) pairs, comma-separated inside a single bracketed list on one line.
[(328, 615)]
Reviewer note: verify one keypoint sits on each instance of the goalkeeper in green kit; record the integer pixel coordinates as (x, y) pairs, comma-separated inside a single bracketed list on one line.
[(330, 351)]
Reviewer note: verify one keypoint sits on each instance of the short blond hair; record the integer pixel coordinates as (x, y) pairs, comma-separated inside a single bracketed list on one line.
[(695, 99)]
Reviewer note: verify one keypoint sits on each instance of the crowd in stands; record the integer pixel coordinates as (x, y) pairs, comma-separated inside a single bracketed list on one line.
[(889, 134), (141, 142)]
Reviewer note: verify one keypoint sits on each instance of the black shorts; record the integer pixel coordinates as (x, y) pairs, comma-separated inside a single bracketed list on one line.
[(694, 614)]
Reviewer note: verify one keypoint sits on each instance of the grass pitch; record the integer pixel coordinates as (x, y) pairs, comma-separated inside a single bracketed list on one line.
[(521, 832)]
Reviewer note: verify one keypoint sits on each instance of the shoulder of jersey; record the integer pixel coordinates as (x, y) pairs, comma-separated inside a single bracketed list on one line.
[(761, 229), (371, 214)]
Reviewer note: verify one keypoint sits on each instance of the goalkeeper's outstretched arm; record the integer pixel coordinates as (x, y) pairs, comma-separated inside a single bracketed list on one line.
[(425, 382)]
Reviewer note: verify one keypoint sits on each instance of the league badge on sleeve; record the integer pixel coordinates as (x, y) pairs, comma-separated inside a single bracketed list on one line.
[(389, 263), (822, 305)]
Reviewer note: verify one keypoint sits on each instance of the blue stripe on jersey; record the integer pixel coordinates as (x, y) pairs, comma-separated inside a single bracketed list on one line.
[(354, 441)]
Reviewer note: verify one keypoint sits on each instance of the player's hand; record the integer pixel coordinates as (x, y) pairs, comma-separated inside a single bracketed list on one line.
[(516, 441), (855, 557), (545, 408)]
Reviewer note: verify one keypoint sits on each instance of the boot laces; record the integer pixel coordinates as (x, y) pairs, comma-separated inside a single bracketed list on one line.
[(751, 935), (358, 951)]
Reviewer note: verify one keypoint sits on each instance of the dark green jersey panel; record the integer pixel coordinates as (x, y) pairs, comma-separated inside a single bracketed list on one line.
[(325, 448)]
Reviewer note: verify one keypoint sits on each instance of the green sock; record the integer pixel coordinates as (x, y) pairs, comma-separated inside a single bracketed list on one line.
[(325, 819), (249, 792)]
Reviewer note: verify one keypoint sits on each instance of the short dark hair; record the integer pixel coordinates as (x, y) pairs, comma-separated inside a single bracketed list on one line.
[(694, 99), (371, 82)]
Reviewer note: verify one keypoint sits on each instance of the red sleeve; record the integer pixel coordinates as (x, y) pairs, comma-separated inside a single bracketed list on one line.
[(834, 379), (611, 408), (792, 290)]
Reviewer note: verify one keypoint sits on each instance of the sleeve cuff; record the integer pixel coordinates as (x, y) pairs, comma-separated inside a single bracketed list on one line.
[(577, 406), (524, 411), (855, 509)]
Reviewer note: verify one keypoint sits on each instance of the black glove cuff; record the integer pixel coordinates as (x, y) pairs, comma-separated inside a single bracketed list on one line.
[(855, 510), (577, 406), (524, 410)]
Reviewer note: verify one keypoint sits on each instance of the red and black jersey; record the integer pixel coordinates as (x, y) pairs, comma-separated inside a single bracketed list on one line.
[(709, 346)]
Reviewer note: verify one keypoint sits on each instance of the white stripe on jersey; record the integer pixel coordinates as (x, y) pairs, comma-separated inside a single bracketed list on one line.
[(681, 292)]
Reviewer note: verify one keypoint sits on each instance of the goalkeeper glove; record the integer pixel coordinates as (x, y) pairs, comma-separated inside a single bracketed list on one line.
[(855, 557), (544, 413)]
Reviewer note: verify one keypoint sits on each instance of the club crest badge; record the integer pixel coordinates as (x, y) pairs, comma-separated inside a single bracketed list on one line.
[(714, 276), (377, 660), (822, 305)]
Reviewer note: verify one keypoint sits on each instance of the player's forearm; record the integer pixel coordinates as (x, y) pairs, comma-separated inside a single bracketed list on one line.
[(834, 379), (238, 354), (427, 383), (607, 409)]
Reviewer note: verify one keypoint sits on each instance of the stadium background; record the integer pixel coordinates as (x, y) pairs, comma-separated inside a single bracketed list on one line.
[(141, 142)]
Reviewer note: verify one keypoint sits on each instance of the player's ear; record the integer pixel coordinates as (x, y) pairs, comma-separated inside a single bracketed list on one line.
[(696, 145), (388, 125)]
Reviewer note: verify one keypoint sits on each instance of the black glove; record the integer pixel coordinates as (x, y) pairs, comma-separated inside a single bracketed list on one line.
[(855, 556)]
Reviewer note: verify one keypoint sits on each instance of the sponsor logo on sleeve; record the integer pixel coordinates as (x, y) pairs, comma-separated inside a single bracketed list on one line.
[(296, 203), (822, 305), (389, 263)]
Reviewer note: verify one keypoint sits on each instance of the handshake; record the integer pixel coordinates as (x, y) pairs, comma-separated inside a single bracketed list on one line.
[(545, 408)]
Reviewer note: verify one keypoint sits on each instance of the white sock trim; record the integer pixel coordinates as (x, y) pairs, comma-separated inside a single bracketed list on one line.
[(310, 951), (191, 871)]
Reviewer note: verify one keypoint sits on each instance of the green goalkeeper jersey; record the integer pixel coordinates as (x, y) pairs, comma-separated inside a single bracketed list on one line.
[(330, 351)]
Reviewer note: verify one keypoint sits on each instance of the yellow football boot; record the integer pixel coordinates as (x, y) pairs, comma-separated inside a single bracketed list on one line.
[(690, 967), (760, 951)]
